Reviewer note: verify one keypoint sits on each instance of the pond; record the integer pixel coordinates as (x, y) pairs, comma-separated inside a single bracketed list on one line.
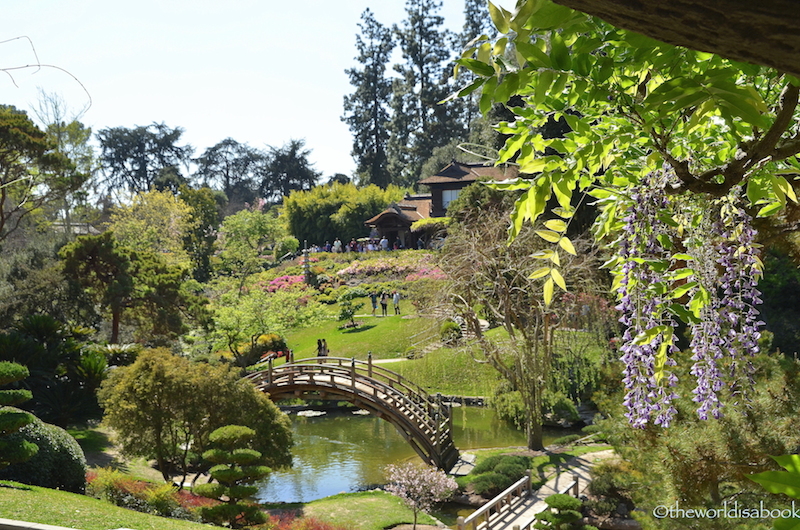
[(343, 452)]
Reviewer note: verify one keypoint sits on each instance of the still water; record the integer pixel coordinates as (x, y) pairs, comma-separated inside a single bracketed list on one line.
[(343, 452)]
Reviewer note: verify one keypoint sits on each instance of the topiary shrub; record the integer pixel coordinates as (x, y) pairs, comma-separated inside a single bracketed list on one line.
[(561, 514), (59, 464), (11, 419)]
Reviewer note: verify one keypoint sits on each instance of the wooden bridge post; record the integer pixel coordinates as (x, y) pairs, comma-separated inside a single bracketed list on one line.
[(269, 372), (369, 363), (353, 374), (291, 356), (575, 488), (460, 522), (528, 484)]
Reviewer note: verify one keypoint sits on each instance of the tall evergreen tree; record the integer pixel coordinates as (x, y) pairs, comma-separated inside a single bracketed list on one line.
[(419, 123), (232, 168), (477, 22), (286, 170), (143, 158), (366, 109)]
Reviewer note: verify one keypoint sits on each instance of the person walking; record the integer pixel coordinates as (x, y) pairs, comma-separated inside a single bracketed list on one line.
[(373, 297), (384, 303), (396, 302)]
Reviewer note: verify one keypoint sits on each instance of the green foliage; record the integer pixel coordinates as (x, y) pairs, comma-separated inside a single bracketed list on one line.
[(490, 484), (162, 403), (630, 106), (120, 489), (567, 440), (201, 235), (157, 221), (59, 463), (698, 461), (562, 512), (139, 284), (495, 473), (324, 213), (11, 420), (248, 240), (242, 317), (237, 467), (32, 171), (366, 109), (348, 307), (450, 332), (612, 485), (143, 158), (63, 377)]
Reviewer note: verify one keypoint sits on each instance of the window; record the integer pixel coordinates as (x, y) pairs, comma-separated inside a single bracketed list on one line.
[(449, 196)]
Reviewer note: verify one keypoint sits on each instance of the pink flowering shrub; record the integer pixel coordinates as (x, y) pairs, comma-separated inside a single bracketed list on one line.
[(427, 273), (419, 487), (284, 282)]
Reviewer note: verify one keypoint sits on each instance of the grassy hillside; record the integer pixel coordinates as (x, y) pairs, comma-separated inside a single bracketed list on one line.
[(46, 506), (357, 511)]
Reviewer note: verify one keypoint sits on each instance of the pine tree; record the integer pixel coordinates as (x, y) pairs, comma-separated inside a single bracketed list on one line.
[(12, 420), (419, 122), (366, 109)]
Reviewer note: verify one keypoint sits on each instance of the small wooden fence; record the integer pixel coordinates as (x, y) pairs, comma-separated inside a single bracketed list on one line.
[(423, 420), (495, 515)]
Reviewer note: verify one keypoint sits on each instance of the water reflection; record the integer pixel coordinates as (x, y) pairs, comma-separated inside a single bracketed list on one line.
[(342, 452)]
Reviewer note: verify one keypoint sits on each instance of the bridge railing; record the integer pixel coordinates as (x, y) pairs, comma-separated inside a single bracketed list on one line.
[(428, 412), (490, 515)]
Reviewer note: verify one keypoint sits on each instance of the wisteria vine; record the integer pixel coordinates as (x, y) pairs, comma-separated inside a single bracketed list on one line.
[(648, 395), (720, 281), (728, 330)]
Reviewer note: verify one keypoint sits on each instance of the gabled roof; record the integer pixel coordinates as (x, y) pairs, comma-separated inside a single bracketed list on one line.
[(411, 208), (457, 172)]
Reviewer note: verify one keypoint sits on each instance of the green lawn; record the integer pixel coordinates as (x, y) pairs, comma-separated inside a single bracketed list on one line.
[(369, 510), (449, 371), (386, 337), (59, 508), (357, 511)]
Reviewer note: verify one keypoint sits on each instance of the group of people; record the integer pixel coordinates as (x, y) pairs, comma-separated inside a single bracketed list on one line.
[(322, 348), (383, 297), (369, 245)]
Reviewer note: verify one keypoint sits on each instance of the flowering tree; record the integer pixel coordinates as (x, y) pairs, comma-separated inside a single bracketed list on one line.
[(419, 487), (682, 150)]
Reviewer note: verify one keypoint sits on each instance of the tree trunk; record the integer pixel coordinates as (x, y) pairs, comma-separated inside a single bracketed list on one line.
[(763, 32), (116, 315)]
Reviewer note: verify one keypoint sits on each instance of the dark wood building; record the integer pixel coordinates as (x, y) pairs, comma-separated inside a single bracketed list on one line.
[(448, 183)]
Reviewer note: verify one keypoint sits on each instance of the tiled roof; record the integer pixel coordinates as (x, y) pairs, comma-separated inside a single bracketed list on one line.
[(411, 208), (458, 172)]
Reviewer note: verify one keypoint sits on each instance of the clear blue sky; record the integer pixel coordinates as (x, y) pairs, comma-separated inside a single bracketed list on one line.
[(259, 71)]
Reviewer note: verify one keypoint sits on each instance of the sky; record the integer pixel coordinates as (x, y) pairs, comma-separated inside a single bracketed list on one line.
[(261, 72)]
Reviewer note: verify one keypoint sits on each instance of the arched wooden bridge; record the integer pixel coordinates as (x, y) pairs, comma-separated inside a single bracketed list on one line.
[(423, 420)]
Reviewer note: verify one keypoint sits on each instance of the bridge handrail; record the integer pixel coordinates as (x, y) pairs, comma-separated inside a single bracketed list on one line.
[(415, 409), (521, 488), (387, 374), (392, 383), (367, 367)]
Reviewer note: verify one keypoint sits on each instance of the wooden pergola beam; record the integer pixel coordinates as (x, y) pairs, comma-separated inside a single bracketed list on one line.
[(765, 32)]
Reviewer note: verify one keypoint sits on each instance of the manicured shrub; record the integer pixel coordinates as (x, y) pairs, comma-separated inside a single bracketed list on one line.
[(490, 484), (562, 513), (511, 470), (566, 440), (491, 463), (59, 463), (13, 450)]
